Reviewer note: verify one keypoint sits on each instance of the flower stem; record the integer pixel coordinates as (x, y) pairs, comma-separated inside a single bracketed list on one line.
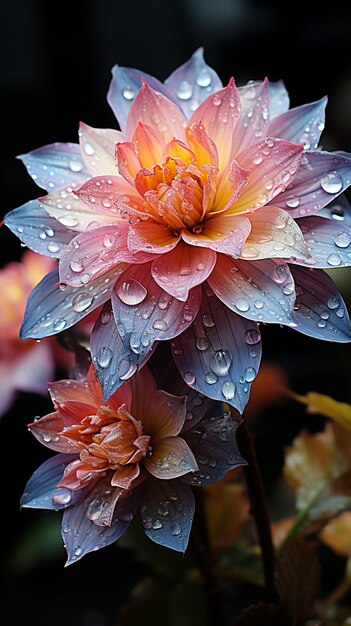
[(259, 507)]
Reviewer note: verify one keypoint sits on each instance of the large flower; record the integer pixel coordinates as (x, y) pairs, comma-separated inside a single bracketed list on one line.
[(142, 449), (202, 217)]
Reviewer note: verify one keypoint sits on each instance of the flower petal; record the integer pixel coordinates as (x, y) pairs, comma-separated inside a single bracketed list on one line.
[(70, 390), (229, 188), (40, 491), (81, 535), (254, 116), (182, 269), (171, 458), (124, 86), (319, 308), (219, 354), (46, 431), (329, 242), (164, 414), (225, 234), (216, 451), (219, 113), (37, 230), (272, 163), (321, 178), (56, 165), (156, 110), (192, 82), (101, 193), (262, 290), (96, 252), (274, 234), (98, 149), (176, 500), (149, 144), (148, 236), (303, 124), (114, 360), (143, 385), (50, 310), (145, 313), (278, 98), (201, 144), (338, 210)]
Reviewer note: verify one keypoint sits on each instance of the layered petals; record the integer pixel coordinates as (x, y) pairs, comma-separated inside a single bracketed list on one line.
[(171, 458), (41, 490), (328, 241), (101, 194), (56, 165), (46, 431), (254, 116), (173, 410), (303, 124), (222, 234), (151, 237), (98, 149)]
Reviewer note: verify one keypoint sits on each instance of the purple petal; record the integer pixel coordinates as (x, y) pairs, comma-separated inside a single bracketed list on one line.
[(259, 290), (278, 98), (304, 124), (56, 165), (114, 361), (145, 313), (219, 355), (50, 309), (167, 509), (329, 242), (192, 82), (322, 176), (41, 492), (124, 86), (81, 535), (37, 230), (213, 442), (319, 309), (339, 210), (254, 115)]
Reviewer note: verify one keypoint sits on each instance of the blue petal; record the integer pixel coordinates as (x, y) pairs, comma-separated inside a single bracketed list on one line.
[(192, 82), (219, 355), (213, 443), (56, 165), (167, 510), (329, 242), (339, 210), (319, 309), (259, 290), (37, 230), (50, 309), (40, 491), (303, 124), (124, 86), (278, 98), (81, 535)]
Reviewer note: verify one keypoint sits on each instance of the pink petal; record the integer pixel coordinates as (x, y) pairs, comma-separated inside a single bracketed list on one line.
[(271, 163), (254, 116), (142, 385), (171, 458), (128, 162), (164, 415), (149, 144), (225, 234), (201, 144), (274, 233), (102, 193), (93, 253), (155, 110), (77, 390), (46, 431), (123, 395), (230, 187), (98, 149), (181, 269), (125, 476), (151, 237), (219, 113)]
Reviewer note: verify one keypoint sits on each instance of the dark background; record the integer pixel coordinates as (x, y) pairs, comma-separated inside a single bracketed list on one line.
[(55, 60)]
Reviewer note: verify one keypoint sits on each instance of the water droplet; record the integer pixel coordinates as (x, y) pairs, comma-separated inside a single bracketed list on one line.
[(68, 220), (220, 362), (340, 312), (337, 213), (257, 159), (252, 336), (104, 357), (53, 247), (81, 302), (176, 529), (62, 496), (334, 259), (88, 148), (130, 372), (59, 324), (228, 390), (333, 302), (202, 343), (131, 292), (280, 274), (105, 317), (128, 93), (332, 183), (242, 305), (342, 239), (76, 265), (211, 378), (109, 241), (189, 378), (250, 374), (207, 320), (288, 289), (160, 325), (75, 166), (203, 78), (185, 90), (157, 524), (292, 202)]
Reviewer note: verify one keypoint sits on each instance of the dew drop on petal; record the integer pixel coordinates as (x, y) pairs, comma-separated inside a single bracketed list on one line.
[(252, 336), (81, 302), (220, 362), (211, 378), (334, 259), (185, 90), (333, 302), (104, 357), (88, 148), (228, 390), (160, 325), (131, 292), (130, 372), (242, 305), (76, 265), (59, 324), (203, 78), (75, 166), (207, 320), (292, 202), (189, 378), (62, 496), (202, 343), (332, 183), (342, 239), (53, 247), (250, 374), (128, 93), (105, 317)]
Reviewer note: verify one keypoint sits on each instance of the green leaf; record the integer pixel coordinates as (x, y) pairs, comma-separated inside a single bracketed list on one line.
[(242, 562)]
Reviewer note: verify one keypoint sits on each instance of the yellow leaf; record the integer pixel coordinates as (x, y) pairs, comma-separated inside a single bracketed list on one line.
[(324, 405), (227, 512), (337, 534)]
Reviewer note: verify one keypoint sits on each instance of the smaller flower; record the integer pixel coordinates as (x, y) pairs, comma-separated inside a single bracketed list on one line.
[(141, 449)]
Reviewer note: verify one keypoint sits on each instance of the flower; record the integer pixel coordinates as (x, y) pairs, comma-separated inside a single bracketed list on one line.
[(142, 449), (24, 365), (212, 210)]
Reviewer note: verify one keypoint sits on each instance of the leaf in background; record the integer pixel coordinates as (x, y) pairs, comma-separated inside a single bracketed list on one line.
[(242, 562), (227, 512), (337, 534), (324, 405), (297, 581)]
